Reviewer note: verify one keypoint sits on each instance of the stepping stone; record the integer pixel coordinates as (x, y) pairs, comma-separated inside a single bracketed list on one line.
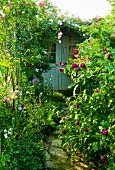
[(50, 138), (58, 152), (56, 143), (51, 164), (56, 132), (47, 156)]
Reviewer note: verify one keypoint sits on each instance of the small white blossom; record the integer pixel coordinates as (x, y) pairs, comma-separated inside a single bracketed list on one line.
[(5, 131), (60, 35), (6, 135), (51, 20), (10, 131), (59, 41), (19, 108), (37, 70), (59, 22)]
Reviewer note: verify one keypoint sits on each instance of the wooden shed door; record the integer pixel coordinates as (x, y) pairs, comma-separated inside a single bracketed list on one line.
[(60, 53)]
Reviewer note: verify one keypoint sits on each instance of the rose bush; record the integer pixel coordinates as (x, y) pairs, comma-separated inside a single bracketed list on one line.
[(93, 107)]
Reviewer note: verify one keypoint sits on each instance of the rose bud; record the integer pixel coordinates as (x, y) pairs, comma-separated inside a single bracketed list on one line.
[(5, 99), (105, 132), (77, 105), (82, 65), (77, 122), (96, 91), (41, 3), (112, 35), (61, 69), (64, 132), (103, 158), (106, 163), (67, 118), (74, 65), (78, 68), (85, 129), (110, 55), (75, 51)]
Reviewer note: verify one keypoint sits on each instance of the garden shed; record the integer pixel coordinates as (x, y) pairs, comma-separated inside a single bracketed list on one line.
[(61, 51)]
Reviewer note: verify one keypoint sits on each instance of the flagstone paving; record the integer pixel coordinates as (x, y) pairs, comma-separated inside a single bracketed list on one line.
[(57, 158)]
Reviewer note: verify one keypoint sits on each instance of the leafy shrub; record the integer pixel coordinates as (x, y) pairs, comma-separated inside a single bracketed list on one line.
[(91, 125), (25, 154)]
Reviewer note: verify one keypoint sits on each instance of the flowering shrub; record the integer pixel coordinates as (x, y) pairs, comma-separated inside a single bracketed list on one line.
[(91, 125)]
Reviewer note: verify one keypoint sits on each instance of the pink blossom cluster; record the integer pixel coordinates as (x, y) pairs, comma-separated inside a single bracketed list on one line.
[(6, 100)]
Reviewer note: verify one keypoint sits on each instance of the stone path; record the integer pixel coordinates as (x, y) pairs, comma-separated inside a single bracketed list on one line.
[(58, 159)]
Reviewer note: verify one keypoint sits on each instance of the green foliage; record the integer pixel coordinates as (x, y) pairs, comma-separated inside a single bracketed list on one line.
[(94, 95)]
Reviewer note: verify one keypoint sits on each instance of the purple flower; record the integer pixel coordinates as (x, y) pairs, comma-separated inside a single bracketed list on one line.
[(5, 99), (78, 68), (64, 131), (8, 100), (105, 132), (75, 51), (35, 80), (96, 90), (103, 158), (77, 105), (74, 65), (82, 65), (77, 122), (85, 129), (61, 69), (112, 35), (110, 55)]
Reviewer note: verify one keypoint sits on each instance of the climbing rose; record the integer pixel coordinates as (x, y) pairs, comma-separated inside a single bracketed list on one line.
[(77, 105), (41, 3), (78, 68), (61, 69), (60, 35), (8, 100), (103, 158), (64, 131), (110, 55), (112, 35), (74, 65), (75, 51), (77, 122), (96, 91), (2, 14), (105, 132), (82, 65), (106, 163), (85, 129), (5, 99)]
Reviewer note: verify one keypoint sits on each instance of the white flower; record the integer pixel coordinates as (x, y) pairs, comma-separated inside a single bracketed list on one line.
[(10, 131), (3, 14), (59, 22), (36, 69), (51, 20), (59, 41), (59, 35), (6, 135), (5, 131), (19, 108)]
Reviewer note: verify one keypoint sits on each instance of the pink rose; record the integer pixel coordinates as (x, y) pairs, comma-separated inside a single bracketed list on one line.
[(112, 35), (41, 3), (61, 69), (75, 51)]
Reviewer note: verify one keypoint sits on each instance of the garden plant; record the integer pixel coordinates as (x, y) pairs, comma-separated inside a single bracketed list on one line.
[(90, 127), (28, 108)]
